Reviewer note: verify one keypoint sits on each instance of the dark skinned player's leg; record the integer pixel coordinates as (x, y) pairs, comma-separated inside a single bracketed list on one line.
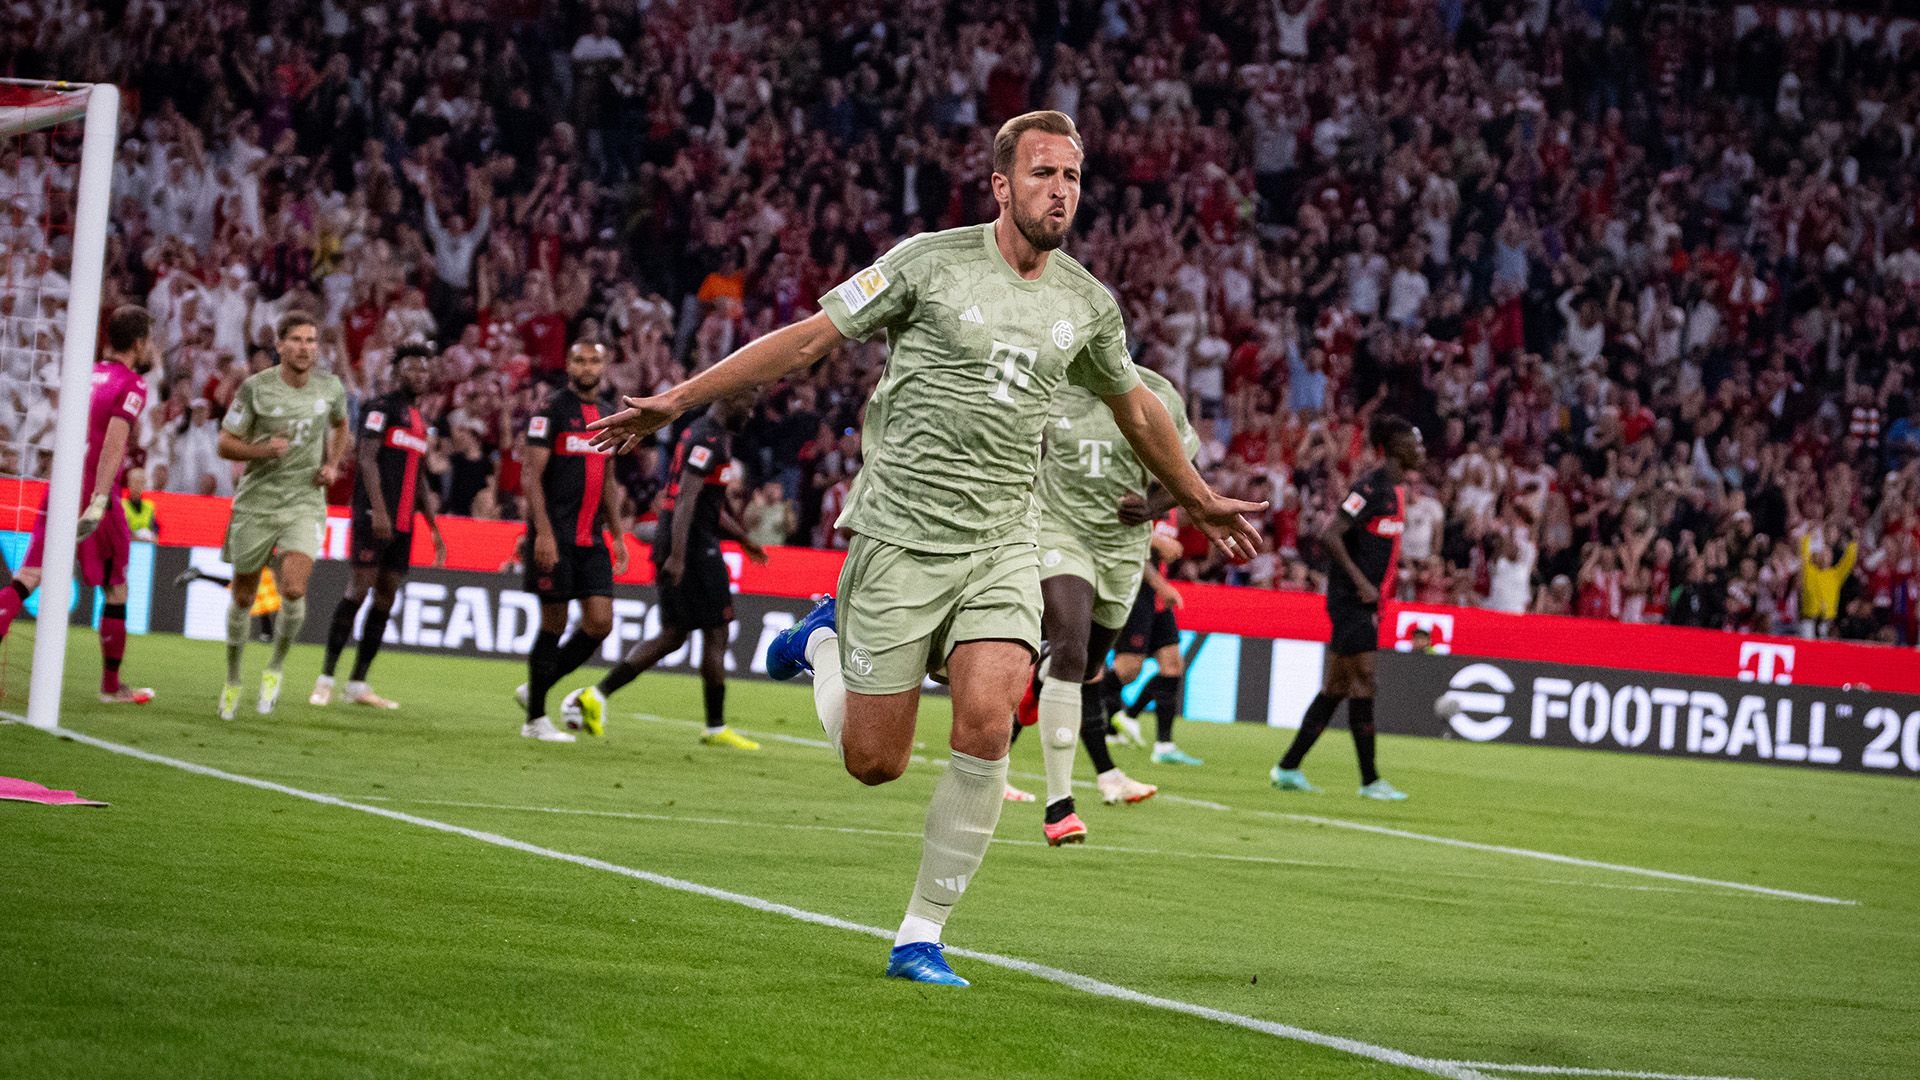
[(641, 658), (1067, 615), (340, 630), (1093, 711), (386, 589), (1342, 672), (1360, 716), (713, 675)]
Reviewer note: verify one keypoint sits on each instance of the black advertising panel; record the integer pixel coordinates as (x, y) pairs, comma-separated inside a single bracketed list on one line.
[(1596, 708)]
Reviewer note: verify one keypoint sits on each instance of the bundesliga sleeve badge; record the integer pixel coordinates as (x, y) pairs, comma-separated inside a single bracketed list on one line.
[(376, 421), (1355, 503), (537, 427), (861, 288)]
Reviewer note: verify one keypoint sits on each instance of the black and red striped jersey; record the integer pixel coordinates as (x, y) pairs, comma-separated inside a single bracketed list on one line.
[(396, 424), (705, 449), (1375, 507), (576, 471)]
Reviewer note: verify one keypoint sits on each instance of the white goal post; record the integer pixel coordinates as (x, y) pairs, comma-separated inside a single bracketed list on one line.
[(27, 107)]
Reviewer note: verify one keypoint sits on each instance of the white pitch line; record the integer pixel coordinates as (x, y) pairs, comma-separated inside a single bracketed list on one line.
[(1558, 1070), (1219, 856), (1082, 983), (1502, 849)]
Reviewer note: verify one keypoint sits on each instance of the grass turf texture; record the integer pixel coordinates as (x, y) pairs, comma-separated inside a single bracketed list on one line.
[(201, 927)]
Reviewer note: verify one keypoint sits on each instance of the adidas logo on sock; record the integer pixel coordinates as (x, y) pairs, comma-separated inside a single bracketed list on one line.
[(972, 315), (957, 884)]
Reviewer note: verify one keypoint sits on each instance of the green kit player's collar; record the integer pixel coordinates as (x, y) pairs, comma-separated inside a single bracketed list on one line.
[(1006, 269)]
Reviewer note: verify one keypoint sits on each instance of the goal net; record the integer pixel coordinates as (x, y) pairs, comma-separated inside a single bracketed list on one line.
[(56, 166)]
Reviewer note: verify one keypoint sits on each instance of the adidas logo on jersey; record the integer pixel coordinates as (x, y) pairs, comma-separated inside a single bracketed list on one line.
[(957, 884), (972, 315)]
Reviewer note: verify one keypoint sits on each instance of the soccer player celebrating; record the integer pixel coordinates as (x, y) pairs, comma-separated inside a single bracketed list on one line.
[(1365, 540), (942, 574), (289, 424), (1094, 531), (695, 593), (571, 495), (390, 486), (119, 394)]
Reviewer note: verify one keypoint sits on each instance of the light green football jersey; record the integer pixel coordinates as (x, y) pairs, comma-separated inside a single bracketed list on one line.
[(976, 354), (266, 406), (1089, 465)]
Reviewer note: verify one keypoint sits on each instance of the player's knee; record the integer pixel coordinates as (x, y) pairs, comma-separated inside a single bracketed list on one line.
[(293, 592), (28, 577), (1068, 662), (872, 770), (383, 598)]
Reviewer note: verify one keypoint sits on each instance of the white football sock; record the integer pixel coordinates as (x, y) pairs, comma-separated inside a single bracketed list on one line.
[(829, 691), (960, 822), (914, 928), (1059, 726)]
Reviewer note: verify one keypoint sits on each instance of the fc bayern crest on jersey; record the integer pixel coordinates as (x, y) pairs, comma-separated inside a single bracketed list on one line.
[(1063, 334)]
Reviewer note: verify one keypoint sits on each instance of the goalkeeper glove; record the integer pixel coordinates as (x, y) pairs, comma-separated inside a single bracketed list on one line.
[(90, 520)]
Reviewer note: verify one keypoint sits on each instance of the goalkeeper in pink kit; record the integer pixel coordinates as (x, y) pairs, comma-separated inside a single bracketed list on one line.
[(119, 393)]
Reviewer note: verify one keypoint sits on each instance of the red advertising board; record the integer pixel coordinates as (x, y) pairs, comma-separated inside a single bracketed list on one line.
[(193, 520)]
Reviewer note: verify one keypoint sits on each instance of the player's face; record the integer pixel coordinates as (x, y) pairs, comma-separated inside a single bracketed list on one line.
[(300, 348), (1044, 191), (1410, 450), (585, 366), (415, 376)]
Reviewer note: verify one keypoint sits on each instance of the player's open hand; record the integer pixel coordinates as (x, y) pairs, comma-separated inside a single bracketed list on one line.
[(1133, 509), (623, 430), (619, 554), (673, 569), (439, 550), (90, 517), (1220, 520), (382, 527)]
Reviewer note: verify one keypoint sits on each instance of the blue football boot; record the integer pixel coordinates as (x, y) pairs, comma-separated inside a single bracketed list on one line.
[(787, 656), (920, 961)]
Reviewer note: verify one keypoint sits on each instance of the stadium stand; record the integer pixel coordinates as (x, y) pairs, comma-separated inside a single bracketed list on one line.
[(1646, 275)]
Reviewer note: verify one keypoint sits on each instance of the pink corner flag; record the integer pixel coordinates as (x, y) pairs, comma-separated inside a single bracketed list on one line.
[(28, 791)]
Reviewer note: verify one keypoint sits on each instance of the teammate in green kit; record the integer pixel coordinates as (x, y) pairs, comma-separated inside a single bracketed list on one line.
[(1095, 514), (984, 325), (289, 424)]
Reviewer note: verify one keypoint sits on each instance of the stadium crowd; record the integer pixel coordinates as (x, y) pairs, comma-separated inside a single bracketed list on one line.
[(1649, 282)]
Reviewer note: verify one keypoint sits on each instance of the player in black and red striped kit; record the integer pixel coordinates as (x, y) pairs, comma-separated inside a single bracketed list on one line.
[(1365, 541), (695, 590), (571, 497), (391, 485)]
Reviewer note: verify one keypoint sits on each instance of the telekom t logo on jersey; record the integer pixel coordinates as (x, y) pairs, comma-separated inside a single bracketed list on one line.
[(1093, 452), (1763, 661)]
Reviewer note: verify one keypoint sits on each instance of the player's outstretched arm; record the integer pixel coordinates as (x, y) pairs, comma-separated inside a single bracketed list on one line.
[(761, 360), (1150, 431)]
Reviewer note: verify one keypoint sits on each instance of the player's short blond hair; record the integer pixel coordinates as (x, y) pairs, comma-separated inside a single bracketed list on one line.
[(1008, 140)]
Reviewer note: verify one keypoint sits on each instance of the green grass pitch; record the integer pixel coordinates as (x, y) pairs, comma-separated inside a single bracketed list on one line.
[(200, 927)]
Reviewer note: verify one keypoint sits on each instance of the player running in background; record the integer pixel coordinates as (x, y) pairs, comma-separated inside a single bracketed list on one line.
[(1094, 530), (571, 497), (1152, 629), (289, 424), (390, 485), (694, 587), (942, 574), (119, 394), (1365, 540)]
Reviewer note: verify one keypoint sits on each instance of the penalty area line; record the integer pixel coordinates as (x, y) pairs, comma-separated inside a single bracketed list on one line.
[(1086, 984)]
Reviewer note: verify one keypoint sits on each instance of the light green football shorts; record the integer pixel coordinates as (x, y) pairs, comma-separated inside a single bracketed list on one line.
[(901, 612), (1115, 578), (252, 538)]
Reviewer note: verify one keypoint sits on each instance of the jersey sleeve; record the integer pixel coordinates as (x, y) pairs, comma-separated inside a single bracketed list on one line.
[(540, 429), (879, 297), (240, 414), (130, 400), (1103, 366), (1358, 505), (704, 453), (1177, 409), (378, 418)]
